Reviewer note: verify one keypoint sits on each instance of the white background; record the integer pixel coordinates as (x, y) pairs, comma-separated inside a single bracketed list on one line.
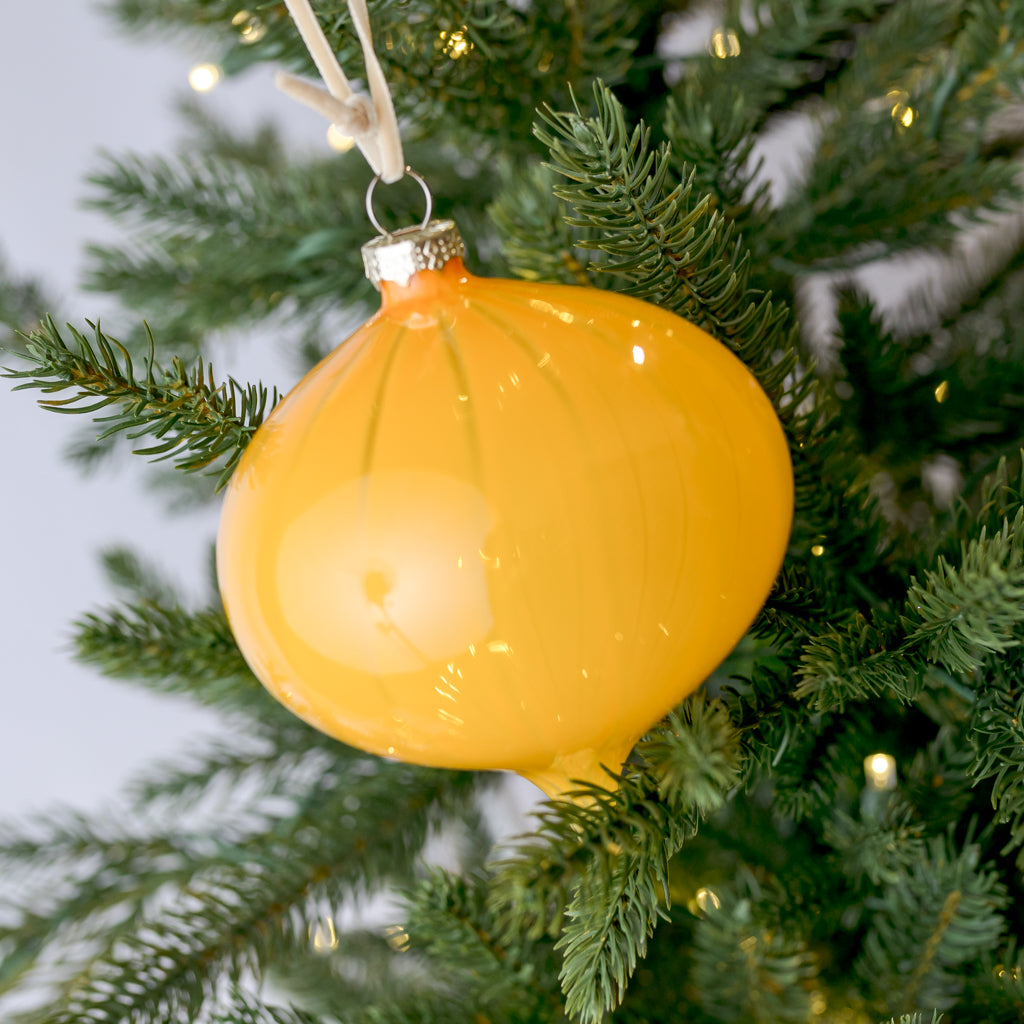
[(72, 85)]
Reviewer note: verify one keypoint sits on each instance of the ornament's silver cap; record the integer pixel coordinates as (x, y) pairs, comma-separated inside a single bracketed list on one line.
[(396, 257)]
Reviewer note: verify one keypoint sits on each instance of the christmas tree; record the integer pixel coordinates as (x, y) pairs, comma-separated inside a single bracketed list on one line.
[(832, 829)]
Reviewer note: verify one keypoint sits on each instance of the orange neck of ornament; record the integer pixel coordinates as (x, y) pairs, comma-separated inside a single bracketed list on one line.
[(425, 285)]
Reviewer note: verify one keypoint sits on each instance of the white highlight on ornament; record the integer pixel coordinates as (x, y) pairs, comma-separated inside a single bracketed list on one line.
[(370, 120), (639, 356), (880, 771), (203, 77)]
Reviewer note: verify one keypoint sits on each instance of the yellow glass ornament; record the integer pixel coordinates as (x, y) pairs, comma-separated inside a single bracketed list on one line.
[(505, 524)]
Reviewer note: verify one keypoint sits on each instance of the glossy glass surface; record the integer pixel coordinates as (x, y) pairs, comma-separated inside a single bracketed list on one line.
[(505, 525)]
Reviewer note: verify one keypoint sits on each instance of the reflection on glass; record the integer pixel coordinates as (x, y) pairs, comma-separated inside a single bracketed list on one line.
[(369, 587)]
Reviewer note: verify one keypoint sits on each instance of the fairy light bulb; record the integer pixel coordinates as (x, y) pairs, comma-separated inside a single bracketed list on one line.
[(338, 140), (707, 899), (880, 771), (323, 936), (203, 77), (724, 43), (397, 938), (455, 44)]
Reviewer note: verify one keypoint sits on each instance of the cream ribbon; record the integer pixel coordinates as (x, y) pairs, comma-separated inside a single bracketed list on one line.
[(369, 120)]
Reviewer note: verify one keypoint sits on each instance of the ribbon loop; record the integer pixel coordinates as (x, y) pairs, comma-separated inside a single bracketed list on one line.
[(369, 120)]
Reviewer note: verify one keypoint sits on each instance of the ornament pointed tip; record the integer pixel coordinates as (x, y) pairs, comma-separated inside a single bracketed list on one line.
[(565, 776)]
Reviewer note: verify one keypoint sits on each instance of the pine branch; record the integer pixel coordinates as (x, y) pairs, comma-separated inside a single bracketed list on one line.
[(136, 578), (958, 616), (524, 54), (215, 242), (537, 241), (747, 970), (877, 850), (427, 1008), (154, 641), (262, 893), (773, 57), (776, 55), (794, 609), (172, 650), (282, 765), (664, 241), (996, 992), (448, 922), (939, 917), (22, 305), (714, 144), (896, 116), (997, 740), (194, 420), (856, 663), (245, 1009), (54, 839), (601, 863)]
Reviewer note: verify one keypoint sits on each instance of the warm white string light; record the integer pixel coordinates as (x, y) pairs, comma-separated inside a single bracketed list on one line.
[(203, 77), (370, 120), (880, 771)]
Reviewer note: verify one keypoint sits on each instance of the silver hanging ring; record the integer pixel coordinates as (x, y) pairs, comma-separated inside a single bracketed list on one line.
[(426, 195)]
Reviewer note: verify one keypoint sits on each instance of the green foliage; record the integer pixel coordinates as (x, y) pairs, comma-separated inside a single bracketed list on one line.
[(856, 661), (741, 868), (195, 420), (22, 305), (189, 258), (537, 241), (663, 240), (778, 53), (960, 615), (996, 741), (517, 57), (597, 870), (450, 925), (246, 1010), (238, 899), (880, 848), (924, 926), (749, 970)]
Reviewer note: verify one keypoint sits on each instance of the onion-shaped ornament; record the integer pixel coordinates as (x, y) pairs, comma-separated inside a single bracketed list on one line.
[(505, 524)]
